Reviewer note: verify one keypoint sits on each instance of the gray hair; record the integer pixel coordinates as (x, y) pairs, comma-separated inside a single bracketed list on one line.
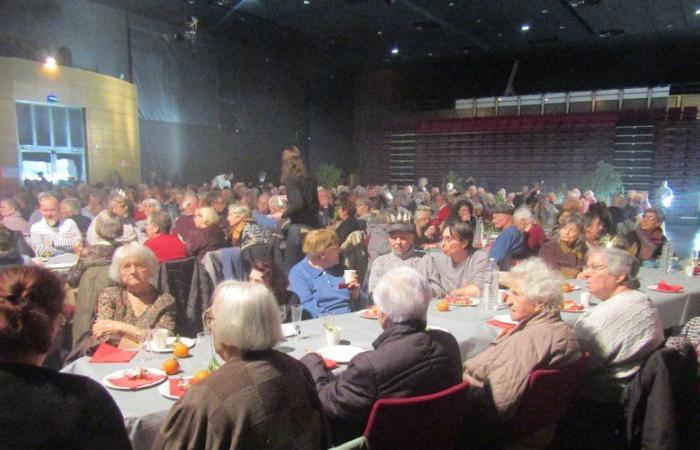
[(246, 316), (208, 215), (277, 202), (239, 210), (659, 213), (403, 294), (619, 263), (133, 251), (523, 213), (72, 203), (108, 226), (152, 202), (538, 282), (114, 200), (162, 220), (11, 203)]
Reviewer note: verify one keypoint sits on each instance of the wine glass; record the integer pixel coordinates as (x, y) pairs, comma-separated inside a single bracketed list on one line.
[(283, 313), (146, 347)]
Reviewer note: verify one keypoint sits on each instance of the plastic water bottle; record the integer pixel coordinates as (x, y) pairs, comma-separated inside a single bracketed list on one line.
[(492, 281), (485, 296), (666, 260), (479, 230)]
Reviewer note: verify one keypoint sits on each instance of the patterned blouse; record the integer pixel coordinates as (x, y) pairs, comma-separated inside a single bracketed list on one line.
[(113, 304)]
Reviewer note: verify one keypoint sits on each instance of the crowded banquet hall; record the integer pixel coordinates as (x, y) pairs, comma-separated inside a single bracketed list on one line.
[(349, 224)]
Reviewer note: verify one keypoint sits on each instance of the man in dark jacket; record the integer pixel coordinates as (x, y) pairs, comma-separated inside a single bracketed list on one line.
[(407, 360)]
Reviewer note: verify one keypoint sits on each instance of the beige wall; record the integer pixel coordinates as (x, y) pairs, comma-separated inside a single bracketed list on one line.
[(111, 114)]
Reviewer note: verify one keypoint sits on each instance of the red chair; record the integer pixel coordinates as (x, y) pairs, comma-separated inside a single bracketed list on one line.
[(426, 422), (547, 396)]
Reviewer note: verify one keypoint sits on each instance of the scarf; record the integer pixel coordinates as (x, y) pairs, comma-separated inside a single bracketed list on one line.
[(649, 242), (237, 231)]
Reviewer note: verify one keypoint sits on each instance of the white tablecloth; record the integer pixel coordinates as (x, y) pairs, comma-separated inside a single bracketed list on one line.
[(145, 410)]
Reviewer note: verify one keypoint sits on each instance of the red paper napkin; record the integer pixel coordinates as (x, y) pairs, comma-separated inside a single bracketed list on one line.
[(663, 286), (506, 327), (175, 388), (330, 364), (134, 383), (106, 353)]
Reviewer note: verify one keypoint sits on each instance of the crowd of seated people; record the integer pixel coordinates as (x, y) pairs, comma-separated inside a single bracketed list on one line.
[(419, 244)]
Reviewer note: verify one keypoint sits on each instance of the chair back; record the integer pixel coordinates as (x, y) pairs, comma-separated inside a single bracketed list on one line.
[(547, 396), (187, 281), (426, 422)]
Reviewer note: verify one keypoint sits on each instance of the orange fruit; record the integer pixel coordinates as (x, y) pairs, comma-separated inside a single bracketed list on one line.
[(443, 306), (171, 366), (567, 288), (199, 376), (180, 350)]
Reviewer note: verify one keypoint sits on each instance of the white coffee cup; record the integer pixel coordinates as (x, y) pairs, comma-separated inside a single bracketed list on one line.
[(332, 335), (585, 299), (349, 276), (160, 338)]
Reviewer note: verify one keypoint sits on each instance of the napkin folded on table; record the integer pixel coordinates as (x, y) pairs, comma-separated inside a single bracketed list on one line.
[(330, 364), (134, 383), (175, 388), (506, 327), (107, 353), (663, 286)]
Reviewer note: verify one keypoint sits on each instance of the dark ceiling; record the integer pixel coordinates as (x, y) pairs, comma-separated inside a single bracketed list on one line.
[(364, 32)]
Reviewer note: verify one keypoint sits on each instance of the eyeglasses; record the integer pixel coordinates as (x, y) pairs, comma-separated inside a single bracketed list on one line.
[(208, 319), (650, 217), (598, 268)]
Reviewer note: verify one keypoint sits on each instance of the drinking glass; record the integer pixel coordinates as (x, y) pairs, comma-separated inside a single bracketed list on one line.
[(204, 345), (296, 317), (146, 348), (283, 313)]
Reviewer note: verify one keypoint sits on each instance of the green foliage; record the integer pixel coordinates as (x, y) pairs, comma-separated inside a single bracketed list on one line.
[(605, 182), (329, 176), (454, 178)]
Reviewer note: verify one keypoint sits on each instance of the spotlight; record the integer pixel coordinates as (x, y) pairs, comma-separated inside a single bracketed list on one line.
[(50, 63), (525, 27), (395, 51)]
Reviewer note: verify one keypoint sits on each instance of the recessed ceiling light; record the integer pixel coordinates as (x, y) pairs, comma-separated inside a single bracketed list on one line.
[(562, 27), (430, 53), (395, 51), (307, 2), (500, 34), (379, 32), (478, 20), (545, 11), (697, 12), (525, 27), (451, 3), (670, 25)]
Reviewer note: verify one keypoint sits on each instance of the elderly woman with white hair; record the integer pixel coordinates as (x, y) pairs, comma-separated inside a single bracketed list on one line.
[(406, 361), (127, 311), (620, 332), (244, 230), (533, 233), (498, 375), (208, 235), (260, 397)]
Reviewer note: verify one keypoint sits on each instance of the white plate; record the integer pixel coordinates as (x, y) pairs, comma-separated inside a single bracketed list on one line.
[(367, 314), (120, 373), (341, 354), (655, 287), (288, 330), (164, 389), (505, 318), (56, 266), (171, 343)]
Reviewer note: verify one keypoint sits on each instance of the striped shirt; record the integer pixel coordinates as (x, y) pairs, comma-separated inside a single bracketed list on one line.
[(50, 241)]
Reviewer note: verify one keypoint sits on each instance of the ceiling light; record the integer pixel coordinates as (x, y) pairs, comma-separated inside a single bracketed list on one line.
[(697, 12), (500, 34), (478, 20), (451, 3), (525, 27), (50, 63), (395, 51), (545, 11), (307, 2), (379, 33), (546, 99), (430, 53), (562, 27)]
